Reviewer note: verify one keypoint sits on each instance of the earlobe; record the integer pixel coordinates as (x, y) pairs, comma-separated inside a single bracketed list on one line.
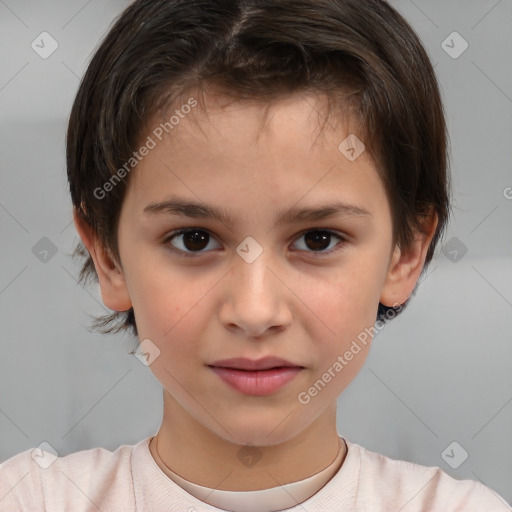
[(114, 291), (406, 266)]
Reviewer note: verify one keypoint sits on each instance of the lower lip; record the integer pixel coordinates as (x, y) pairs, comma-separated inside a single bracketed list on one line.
[(257, 383)]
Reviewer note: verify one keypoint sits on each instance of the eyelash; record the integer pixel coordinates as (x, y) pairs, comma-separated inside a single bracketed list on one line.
[(316, 254)]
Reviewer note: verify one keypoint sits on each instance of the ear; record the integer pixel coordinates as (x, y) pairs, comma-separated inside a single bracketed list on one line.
[(114, 291), (405, 266)]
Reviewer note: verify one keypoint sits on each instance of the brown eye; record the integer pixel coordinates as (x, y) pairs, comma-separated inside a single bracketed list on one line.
[(193, 240), (316, 241)]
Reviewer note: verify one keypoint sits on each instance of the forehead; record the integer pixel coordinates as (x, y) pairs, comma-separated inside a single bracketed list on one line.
[(216, 109), (221, 127), (267, 152)]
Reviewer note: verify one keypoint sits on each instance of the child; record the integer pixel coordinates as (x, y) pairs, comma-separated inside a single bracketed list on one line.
[(247, 127)]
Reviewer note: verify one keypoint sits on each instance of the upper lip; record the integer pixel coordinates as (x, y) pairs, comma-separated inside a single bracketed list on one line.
[(243, 363)]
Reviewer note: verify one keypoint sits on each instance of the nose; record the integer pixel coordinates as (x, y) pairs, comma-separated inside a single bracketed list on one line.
[(256, 299)]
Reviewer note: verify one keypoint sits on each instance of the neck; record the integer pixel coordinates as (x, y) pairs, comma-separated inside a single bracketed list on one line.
[(197, 454)]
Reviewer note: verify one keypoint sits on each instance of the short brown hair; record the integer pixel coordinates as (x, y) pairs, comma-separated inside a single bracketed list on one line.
[(260, 50)]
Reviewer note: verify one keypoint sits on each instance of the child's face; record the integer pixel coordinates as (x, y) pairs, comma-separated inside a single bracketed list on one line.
[(290, 302)]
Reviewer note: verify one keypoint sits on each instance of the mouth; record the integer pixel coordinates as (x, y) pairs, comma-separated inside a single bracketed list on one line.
[(266, 363), (256, 377)]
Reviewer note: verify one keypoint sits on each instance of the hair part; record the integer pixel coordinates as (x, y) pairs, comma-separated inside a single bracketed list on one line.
[(361, 54)]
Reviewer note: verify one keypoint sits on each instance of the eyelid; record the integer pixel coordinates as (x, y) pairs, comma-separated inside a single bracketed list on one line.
[(343, 237)]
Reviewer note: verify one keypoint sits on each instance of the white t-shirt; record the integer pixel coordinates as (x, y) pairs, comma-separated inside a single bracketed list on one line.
[(129, 480)]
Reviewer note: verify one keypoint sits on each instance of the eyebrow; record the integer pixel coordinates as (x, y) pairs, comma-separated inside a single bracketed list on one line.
[(197, 210)]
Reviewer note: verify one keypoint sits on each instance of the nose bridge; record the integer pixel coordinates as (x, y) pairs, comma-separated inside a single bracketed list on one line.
[(252, 274)]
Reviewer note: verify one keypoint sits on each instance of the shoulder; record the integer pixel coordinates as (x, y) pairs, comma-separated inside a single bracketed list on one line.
[(388, 484), (35, 477)]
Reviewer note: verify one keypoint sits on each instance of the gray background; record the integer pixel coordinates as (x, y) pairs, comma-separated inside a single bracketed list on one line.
[(437, 374)]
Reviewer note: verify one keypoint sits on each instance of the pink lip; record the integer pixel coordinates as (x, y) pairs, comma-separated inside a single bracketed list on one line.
[(243, 363), (256, 377)]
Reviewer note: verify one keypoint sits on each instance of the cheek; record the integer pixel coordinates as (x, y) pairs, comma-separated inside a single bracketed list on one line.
[(341, 302), (341, 309), (168, 311), (171, 309), (160, 291), (175, 322), (344, 311)]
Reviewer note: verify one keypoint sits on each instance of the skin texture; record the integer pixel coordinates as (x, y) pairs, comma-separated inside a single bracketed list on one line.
[(286, 303)]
